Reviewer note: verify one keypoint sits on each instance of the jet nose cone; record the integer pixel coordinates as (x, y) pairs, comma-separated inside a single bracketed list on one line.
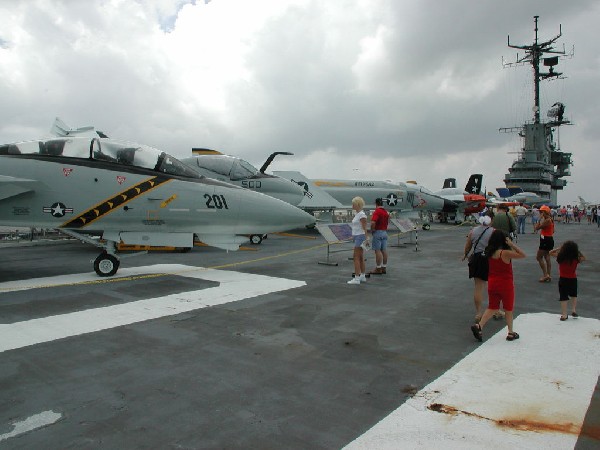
[(265, 214), (289, 192)]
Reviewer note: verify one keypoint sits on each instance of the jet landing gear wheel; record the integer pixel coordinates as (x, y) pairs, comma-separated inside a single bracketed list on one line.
[(106, 265), (256, 239), (426, 226)]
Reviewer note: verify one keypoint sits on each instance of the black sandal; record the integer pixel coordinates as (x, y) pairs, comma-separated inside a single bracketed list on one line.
[(476, 329), (512, 336)]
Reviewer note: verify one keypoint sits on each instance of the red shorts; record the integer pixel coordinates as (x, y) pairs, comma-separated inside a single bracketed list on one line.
[(501, 294)]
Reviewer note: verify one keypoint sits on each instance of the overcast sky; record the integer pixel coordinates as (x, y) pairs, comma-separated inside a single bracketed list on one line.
[(363, 89)]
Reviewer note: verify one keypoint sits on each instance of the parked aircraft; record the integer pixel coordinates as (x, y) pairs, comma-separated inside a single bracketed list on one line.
[(459, 202), (329, 194), (129, 193), (583, 204), (234, 170), (515, 195), (468, 201), (216, 165)]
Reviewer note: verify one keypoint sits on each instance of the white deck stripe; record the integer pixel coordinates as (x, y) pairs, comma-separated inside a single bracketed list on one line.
[(531, 393), (40, 420), (233, 286)]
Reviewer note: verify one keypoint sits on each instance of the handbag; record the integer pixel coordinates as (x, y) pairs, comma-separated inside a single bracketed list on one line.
[(472, 255)]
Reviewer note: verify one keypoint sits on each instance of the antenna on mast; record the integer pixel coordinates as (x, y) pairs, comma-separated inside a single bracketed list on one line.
[(534, 55), (541, 164)]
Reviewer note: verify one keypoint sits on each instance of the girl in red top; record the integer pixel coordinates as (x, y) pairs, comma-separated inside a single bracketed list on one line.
[(568, 257), (500, 252)]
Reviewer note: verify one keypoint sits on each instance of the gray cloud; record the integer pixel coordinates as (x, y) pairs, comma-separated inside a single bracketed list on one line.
[(419, 85)]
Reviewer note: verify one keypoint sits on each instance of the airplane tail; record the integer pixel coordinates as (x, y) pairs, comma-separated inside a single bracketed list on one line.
[(474, 184), (315, 198), (514, 190), (449, 183), (205, 151)]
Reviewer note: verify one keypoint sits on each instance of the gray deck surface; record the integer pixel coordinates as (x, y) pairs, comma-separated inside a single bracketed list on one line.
[(308, 368)]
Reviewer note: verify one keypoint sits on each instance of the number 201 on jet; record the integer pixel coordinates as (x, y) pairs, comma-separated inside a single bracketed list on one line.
[(216, 201)]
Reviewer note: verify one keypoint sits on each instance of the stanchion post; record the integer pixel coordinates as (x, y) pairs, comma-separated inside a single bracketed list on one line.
[(416, 239)]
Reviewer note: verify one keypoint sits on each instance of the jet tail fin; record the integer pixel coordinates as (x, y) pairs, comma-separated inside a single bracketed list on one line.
[(449, 183), (315, 198), (205, 151), (474, 184)]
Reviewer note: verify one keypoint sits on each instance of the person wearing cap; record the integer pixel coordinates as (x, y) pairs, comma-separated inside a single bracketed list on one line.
[(504, 221), (379, 226), (546, 227), (477, 240)]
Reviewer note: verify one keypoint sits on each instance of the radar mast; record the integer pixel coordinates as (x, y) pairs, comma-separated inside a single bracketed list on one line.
[(541, 165)]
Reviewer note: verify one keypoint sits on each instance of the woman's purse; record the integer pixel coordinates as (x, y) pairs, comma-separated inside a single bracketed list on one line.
[(472, 256)]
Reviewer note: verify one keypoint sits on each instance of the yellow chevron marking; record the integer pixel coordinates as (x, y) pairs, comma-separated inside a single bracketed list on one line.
[(169, 200)]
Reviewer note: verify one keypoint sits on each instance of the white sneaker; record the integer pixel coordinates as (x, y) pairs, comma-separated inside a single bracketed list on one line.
[(354, 281), (363, 278)]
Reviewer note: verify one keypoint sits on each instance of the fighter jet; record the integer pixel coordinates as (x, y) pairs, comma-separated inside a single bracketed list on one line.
[(129, 193), (216, 165), (468, 201), (234, 170), (514, 195), (328, 194)]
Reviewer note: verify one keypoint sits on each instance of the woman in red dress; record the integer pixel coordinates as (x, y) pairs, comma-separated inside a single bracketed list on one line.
[(500, 252)]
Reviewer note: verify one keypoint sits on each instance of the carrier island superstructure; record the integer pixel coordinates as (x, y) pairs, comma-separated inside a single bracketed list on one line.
[(541, 164)]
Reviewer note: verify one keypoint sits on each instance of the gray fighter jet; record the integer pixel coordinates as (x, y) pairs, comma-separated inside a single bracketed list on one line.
[(398, 197), (216, 165), (234, 170), (129, 193)]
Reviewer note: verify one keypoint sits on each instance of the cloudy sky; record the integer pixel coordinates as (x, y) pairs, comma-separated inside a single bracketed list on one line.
[(364, 89)]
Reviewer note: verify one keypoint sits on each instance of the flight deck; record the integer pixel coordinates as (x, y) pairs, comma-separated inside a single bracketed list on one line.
[(267, 348)]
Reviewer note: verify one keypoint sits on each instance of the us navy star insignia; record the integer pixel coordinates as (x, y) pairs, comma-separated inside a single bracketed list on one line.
[(392, 199), (58, 209)]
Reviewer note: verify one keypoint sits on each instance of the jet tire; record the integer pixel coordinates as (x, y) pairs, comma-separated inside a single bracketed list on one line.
[(106, 265), (256, 239), (426, 226)]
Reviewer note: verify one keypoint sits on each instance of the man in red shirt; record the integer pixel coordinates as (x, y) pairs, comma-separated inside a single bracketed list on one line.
[(379, 225)]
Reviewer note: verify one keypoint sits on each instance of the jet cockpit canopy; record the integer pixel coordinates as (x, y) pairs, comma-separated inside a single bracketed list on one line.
[(104, 149), (229, 166)]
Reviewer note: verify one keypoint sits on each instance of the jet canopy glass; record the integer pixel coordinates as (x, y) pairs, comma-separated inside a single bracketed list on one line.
[(101, 149), (233, 168)]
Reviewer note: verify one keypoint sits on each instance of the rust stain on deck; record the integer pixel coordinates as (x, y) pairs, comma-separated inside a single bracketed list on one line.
[(519, 423)]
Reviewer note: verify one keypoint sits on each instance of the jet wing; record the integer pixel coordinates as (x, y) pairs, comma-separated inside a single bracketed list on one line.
[(12, 186), (315, 198), (496, 202)]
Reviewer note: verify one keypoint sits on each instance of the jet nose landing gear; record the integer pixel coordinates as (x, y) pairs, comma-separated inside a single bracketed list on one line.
[(106, 265)]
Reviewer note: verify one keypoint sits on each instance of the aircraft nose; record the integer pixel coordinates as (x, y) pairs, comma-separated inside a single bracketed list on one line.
[(289, 192), (265, 214)]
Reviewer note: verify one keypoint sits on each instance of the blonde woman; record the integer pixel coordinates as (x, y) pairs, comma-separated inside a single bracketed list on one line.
[(359, 235)]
